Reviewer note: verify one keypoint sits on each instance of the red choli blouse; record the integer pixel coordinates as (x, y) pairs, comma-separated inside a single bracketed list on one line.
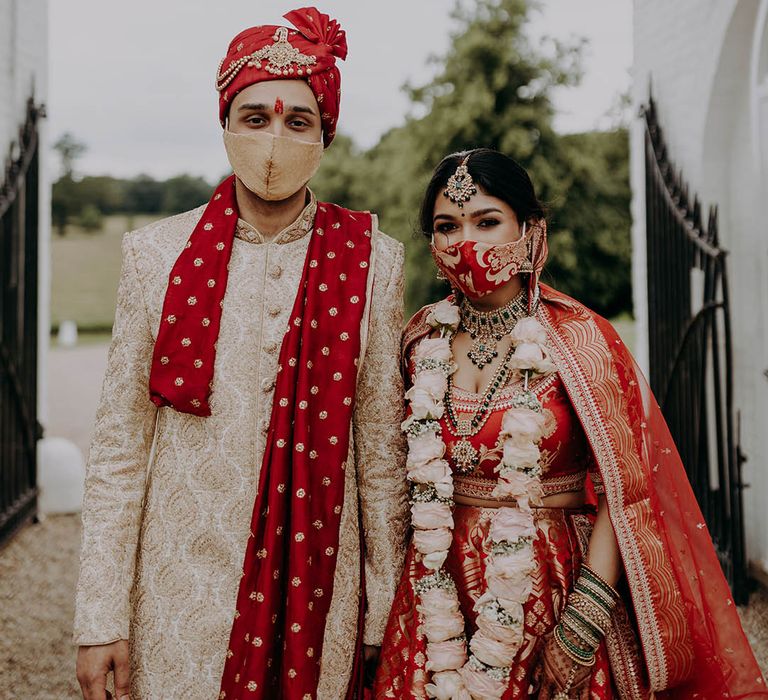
[(566, 456)]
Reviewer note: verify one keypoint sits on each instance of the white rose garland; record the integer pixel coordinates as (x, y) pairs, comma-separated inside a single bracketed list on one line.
[(483, 673)]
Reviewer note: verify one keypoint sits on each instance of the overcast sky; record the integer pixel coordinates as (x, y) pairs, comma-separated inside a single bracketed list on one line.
[(134, 80)]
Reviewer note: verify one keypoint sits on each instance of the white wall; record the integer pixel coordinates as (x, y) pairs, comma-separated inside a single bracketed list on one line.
[(24, 67), (698, 55)]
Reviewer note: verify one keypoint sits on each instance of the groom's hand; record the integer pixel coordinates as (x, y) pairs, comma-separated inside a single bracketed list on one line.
[(370, 662), (94, 664)]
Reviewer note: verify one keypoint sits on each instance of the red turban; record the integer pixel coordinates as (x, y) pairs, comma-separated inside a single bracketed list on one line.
[(278, 53)]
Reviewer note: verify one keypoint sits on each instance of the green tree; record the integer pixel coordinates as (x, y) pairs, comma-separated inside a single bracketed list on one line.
[(493, 90), (90, 219), (144, 195), (69, 150), (341, 178), (65, 195), (106, 193), (184, 192), (65, 202), (590, 251)]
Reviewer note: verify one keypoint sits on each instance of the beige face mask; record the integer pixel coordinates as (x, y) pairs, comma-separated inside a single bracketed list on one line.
[(272, 167)]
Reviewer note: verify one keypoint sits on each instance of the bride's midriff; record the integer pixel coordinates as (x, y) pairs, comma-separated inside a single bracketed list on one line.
[(557, 500)]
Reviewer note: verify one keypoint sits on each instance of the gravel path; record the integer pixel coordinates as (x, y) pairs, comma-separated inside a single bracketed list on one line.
[(38, 570)]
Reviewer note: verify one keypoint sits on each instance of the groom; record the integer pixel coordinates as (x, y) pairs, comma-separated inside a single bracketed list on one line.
[(245, 508)]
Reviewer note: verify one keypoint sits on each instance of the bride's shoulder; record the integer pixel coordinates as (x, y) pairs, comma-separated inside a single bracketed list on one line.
[(583, 327), (419, 319), (416, 328), (417, 325)]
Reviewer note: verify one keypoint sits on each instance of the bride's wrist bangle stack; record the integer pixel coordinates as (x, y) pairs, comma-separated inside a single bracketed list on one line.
[(596, 589), (586, 617)]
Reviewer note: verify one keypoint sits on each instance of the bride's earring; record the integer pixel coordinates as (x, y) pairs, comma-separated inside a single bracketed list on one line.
[(527, 266), (439, 276)]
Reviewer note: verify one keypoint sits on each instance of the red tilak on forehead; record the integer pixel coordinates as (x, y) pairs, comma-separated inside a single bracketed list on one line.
[(279, 107)]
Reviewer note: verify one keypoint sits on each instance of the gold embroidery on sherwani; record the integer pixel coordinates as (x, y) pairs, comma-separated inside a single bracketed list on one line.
[(293, 232), (198, 483)]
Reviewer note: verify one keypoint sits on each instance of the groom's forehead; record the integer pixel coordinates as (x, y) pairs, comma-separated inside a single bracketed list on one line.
[(274, 93)]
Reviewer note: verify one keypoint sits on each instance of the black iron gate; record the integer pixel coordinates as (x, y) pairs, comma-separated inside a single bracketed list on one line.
[(691, 370), (19, 428)]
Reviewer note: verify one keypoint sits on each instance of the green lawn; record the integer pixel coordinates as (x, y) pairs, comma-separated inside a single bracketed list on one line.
[(85, 270), (625, 327)]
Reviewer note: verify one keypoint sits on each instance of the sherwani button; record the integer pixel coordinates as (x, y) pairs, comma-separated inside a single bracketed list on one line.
[(273, 311), (270, 347), (275, 272), (267, 385)]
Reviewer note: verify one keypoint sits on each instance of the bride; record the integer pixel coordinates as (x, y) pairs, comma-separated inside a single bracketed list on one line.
[(557, 549)]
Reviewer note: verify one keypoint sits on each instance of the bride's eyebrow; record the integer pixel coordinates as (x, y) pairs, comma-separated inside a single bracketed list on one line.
[(483, 212)]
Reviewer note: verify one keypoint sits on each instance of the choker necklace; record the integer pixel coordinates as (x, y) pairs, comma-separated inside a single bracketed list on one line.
[(487, 328)]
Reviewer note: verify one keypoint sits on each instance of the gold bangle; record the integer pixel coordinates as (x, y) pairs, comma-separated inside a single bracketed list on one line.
[(590, 609), (581, 635), (560, 641), (584, 619), (597, 594), (593, 601), (589, 636), (589, 571)]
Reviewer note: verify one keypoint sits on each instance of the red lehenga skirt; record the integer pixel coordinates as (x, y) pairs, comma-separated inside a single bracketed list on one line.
[(563, 535)]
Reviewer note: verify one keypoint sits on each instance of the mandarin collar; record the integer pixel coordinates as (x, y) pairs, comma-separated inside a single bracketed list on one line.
[(299, 228)]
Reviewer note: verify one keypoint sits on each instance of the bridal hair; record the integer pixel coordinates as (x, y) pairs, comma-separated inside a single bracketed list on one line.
[(494, 174)]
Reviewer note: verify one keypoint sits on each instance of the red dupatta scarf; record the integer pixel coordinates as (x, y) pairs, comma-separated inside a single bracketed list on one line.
[(691, 636), (181, 375), (276, 640)]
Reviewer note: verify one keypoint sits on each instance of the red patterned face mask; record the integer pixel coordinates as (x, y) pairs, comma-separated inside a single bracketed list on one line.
[(477, 269)]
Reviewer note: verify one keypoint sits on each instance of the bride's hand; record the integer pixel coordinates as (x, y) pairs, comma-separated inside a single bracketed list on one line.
[(554, 671)]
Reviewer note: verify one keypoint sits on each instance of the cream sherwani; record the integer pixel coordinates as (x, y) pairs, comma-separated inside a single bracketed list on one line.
[(169, 496)]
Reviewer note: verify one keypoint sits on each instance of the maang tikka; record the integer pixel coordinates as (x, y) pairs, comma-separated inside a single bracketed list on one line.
[(460, 186)]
